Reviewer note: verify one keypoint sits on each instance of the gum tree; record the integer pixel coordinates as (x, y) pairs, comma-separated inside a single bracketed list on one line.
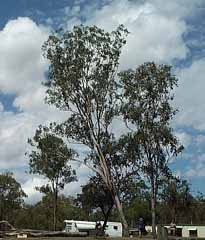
[(50, 158), (83, 66), (11, 196), (91, 198), (147, 110)]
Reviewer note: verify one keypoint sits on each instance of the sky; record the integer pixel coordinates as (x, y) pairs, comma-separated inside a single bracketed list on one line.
[(164, 31)]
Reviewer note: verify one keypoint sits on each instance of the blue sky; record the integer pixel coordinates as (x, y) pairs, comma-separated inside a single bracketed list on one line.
[(161, 30)]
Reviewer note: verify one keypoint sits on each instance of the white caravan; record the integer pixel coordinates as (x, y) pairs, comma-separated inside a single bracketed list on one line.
[(188, 231), (112, 229)]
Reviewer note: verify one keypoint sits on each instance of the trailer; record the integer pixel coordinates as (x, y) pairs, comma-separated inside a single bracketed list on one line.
[(112, 229), (187, 231)]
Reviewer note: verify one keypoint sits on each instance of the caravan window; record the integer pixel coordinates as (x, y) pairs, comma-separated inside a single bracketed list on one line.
[(115, 227), (193, 233), (179, 232), (68, 226)]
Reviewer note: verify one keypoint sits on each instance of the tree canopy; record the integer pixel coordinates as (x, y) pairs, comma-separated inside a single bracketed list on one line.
[(148, 92), (82, 81), (11, 196), (50, 158)]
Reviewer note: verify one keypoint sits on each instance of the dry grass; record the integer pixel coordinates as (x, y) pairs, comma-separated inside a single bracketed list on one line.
[(80, 238)]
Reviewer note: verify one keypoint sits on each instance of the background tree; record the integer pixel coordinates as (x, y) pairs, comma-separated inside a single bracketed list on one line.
[(137, 205), (82, 81), (177, 200), (40, 215), (11, 196), (197, 207), (50, 159), (147, 92), (138, 208), (96, 195)]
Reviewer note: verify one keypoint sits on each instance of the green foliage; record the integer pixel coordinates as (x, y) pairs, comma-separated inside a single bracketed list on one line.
[(11, 196), (50, 159), (174, 194), (138, 205), (96, 195), (177, 200), (82, 81), (147, 92), (83, 65), (120, 164), (39, 215), (138, 208)]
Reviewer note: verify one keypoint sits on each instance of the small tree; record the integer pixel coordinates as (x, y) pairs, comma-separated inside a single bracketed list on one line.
[(147, 108), (82, 81), (96, 195), (11, 196), (50, 159), (178, 200)]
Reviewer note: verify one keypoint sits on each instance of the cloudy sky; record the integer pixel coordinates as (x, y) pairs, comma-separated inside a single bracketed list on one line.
[(164, 31)]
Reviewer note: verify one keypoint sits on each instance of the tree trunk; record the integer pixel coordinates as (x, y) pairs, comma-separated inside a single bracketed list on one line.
[(55, 210), (106, 216), (153, 209), (121, 215), (1, 210), (54, 217), (105, 175)]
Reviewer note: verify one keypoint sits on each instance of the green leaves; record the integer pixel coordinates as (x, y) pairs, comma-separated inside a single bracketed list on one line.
[(148, 93), (91, 198), (82, 73), (83, 82), (50, 157), (11, 195), (147, 109)]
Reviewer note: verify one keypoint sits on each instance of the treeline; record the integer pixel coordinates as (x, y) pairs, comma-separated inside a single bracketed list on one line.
[(175, 203), (122, 119)]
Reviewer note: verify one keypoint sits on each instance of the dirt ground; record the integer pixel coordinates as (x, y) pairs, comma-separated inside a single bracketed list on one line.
[(82, 238)]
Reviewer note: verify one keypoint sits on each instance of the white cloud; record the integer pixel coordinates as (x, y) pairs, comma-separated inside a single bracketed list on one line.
[(195, 172), (184, 138), (1, 107), (21, 62), (156, 29), (189, 96), (29, 188), (22, 72), (200, 141), (154, 35), (179, 9), (196, 168), (23, 68), (83, 174), (32, 181), (15, 129)]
